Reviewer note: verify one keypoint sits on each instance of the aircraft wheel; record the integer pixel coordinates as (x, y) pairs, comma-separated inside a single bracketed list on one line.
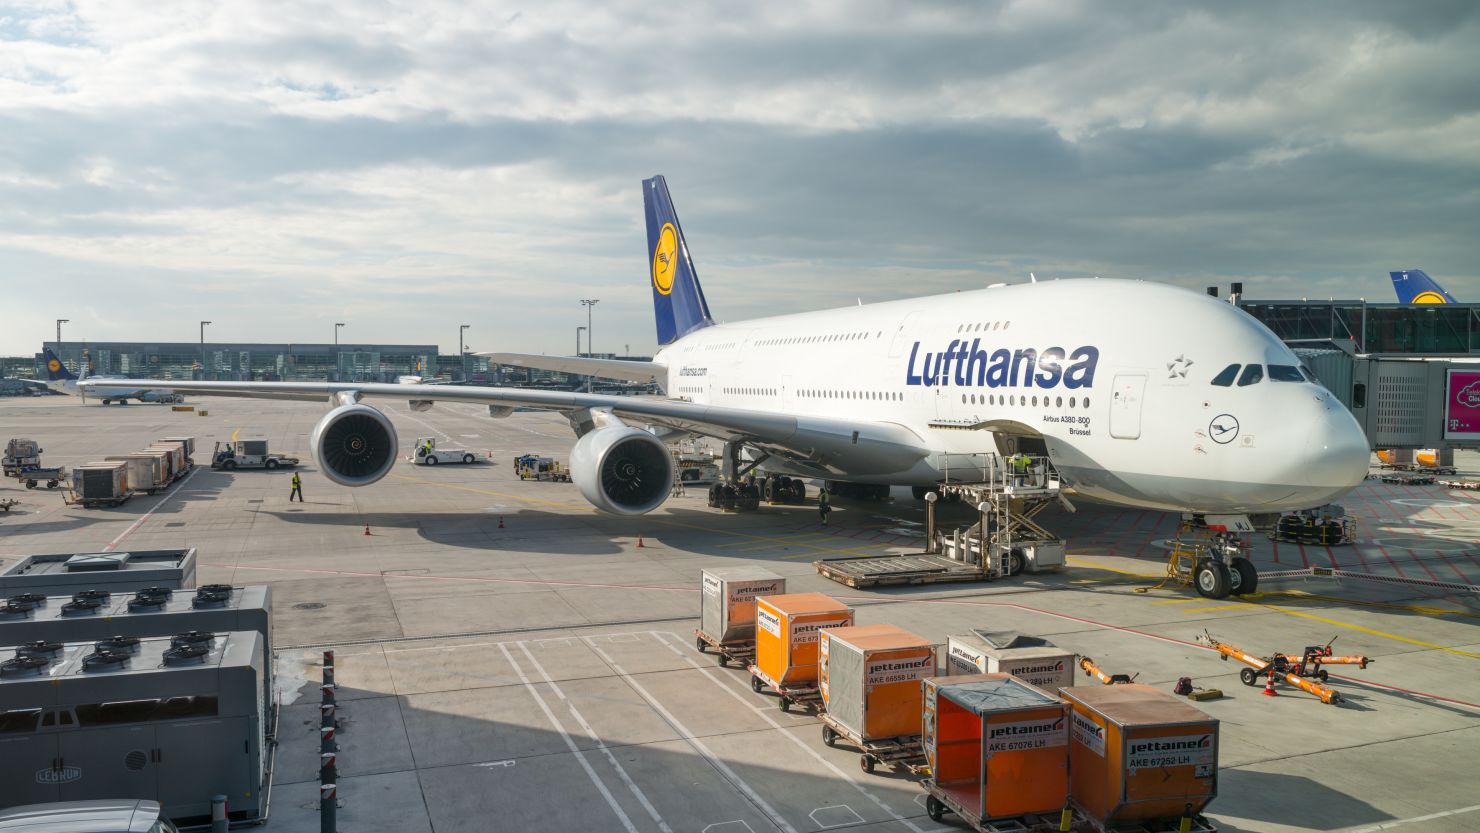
[(1243, 577), (798, 491), (1212, 579)]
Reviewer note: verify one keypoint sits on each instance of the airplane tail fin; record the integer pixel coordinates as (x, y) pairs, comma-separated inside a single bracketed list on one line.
[(678, 300), (1415, 287), (55, 370)]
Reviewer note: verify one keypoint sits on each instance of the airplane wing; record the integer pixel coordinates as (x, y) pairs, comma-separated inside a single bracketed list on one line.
[(604, 368), (812, 442)]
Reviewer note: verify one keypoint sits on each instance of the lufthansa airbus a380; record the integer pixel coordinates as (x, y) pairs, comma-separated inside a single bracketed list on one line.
[(1140, 394)]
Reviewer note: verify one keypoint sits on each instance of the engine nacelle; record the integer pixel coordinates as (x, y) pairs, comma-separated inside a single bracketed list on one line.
[(622, 470), (354, 445)]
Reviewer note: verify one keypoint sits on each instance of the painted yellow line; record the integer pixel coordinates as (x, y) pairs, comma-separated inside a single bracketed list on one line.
[(1175, 601), (1372, 631), (778, 539), (777, 544), (234, 433), (1093, 566), (1210, 609)]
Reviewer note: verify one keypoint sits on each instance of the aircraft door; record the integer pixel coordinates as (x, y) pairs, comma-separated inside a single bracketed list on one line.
[(1125, 407), (904, 335)]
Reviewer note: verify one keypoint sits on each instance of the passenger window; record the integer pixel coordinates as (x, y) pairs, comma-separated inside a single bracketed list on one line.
[(1252, 375), (1225, 378), (1285, 373)]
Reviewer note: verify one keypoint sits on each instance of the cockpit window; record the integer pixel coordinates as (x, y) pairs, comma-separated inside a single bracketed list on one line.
[(1226, 377), (1285, 373), (1251, 375)]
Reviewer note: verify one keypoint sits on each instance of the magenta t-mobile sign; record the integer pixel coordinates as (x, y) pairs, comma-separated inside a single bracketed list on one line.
[(1462, 406)]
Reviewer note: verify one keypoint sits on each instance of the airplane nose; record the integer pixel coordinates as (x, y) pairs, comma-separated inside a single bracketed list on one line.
[(1336, 451)]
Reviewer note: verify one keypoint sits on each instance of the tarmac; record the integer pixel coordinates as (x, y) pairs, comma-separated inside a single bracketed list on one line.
[(509, 659)]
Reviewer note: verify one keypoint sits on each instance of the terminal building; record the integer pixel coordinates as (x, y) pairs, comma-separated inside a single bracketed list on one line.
[(214, 361)]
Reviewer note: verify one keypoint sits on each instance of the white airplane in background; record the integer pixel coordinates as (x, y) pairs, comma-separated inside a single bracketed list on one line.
[(1141, 395), (110, 389)]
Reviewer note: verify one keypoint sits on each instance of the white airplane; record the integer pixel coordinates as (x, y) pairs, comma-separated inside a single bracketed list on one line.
[(110, 389), (1141, 395)]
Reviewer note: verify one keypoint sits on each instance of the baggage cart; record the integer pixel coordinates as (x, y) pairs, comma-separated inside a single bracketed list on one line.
[(870, 680), (142, 472), (1029, 658), (998, 752), (905, 751), (786, 644), (98, 484), (727, 610), (33, 477), (1140, 758)]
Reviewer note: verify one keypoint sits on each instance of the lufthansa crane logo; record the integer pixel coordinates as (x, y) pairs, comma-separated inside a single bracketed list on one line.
[(53, 365), (665, 259), (1428, 298), (1223, 429)]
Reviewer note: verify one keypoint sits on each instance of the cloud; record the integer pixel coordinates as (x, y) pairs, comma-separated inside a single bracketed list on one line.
[(271, 165)]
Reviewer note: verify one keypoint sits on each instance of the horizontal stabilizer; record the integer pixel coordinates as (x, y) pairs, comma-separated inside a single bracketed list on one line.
[(601, 368)]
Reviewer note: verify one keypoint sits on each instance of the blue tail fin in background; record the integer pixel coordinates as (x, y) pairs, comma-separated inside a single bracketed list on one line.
[(1415, 287), (55, 370), (678, 300)]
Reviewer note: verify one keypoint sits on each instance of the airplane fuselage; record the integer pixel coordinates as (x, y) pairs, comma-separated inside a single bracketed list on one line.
[(1115, 378)]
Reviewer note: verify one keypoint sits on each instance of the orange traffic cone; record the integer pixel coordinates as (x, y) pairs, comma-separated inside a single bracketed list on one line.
[(640, 545), (1269, 686), (367, 529), (500, 521)]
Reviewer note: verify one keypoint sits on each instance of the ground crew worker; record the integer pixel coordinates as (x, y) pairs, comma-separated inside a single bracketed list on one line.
[(822, 505), (428, 448), (297, 488), (1019, 463)]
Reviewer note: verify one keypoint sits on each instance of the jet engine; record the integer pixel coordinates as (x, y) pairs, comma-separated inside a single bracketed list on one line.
[(622, 470), (354, 445)]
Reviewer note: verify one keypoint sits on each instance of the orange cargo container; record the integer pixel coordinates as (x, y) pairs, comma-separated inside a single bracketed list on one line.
[(786, 628), (1138, 754), (870, 678), (998, 747)]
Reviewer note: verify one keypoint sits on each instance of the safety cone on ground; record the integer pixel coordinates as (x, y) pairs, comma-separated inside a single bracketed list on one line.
[(367, 529), (1269, 686), (500, 521), (640, 544)]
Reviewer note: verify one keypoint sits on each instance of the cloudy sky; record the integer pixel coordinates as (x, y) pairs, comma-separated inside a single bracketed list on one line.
[(406, 167)]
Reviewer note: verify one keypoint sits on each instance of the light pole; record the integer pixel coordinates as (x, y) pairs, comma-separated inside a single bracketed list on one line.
[(462, 359), (578, 341), (60, 322), (336, 334), (589, 303), (203, 348)]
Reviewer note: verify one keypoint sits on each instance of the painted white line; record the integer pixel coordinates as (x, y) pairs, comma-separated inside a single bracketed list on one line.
[(1388, 825), (693, 740), (600, 744), (575, 750), (155, 508), (865, 791)]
